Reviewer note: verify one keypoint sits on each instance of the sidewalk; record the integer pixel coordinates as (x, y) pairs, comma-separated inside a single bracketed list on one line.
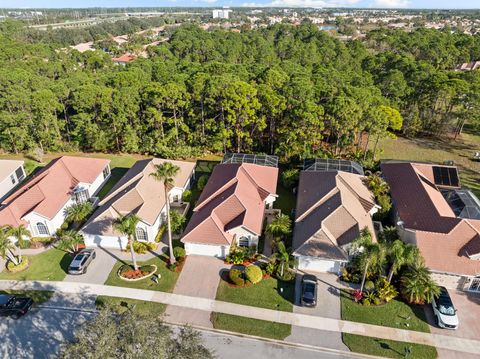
[(308, 321)]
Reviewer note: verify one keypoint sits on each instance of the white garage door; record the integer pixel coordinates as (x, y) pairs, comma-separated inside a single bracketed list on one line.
[(92, 240), (206, 250), (318, 265)]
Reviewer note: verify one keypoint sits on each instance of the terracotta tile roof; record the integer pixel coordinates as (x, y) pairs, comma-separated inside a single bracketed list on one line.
[(333, 205), (7, 167), (446, 242), (136, 192), (234, 196), (125, 58), (48, 191)]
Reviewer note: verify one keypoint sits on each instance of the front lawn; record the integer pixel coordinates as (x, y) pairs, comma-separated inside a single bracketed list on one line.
[(49, 265), (165, 284), (395, 314), (270, 294), (38, 296), (120, 305)]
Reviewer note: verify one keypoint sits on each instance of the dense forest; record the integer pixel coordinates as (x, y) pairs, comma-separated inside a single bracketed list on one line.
[(293, 91)]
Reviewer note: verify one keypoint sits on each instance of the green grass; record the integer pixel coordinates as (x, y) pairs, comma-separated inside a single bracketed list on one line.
[(120, 305), (49, 265), (439, 150), (395, 314), (38, 296), (286, 200), (165, 284), (266, 294), (387, 348), (261, 328)]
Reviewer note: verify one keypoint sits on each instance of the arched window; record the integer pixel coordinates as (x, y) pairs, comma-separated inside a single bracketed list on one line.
[(243, 242), (141, 234), (42, 228)]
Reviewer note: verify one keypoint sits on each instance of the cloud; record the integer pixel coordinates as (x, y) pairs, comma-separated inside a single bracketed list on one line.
[(304, 3), (395, 4)]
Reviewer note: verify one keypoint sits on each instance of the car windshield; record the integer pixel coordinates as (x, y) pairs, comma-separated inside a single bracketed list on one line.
[(80, 257), (309, 287), (446, 309)]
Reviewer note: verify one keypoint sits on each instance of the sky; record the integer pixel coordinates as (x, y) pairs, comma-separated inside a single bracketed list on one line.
[(422, 4)]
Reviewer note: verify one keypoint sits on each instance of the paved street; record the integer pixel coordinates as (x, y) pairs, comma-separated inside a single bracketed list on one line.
[(328, 306), (208, 269)]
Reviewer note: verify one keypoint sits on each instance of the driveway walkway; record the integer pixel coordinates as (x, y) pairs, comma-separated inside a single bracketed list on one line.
[(199, 278), (334, 325), (328, 306), (98, 270)]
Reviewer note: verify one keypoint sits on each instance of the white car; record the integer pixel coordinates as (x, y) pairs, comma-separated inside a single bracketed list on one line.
[(444, 310)]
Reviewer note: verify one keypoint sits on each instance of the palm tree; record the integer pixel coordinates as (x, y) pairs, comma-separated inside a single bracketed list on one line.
[(19, 233), (70, 240), (6, 246), (165, 173), (283, 257), (280, 226), (400, 254), (370, 255), (78, 212), (127, 226), (417, 286)]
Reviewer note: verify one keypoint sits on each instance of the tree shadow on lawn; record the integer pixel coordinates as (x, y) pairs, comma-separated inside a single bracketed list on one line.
[(65, 261), (445, 144), (286, 290), (387, 346)]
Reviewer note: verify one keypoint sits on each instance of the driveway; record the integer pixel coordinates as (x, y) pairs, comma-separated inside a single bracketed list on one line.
[(328, 305), (99, 268), (199, 278), (468, 306)]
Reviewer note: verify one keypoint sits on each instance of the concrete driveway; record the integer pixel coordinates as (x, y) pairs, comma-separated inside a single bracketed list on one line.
[(99, 268), (468, 311), (199, 277), (328, 305)]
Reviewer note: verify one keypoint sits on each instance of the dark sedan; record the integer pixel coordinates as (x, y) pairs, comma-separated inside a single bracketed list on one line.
[(309, 290), (14, 306)]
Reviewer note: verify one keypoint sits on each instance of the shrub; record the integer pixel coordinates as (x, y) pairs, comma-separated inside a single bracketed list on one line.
[(253, 273), (179, 252), (177, 221), (270, 268), (11, 267), (288, 275), (160, 233), (23, 244), (236, 255), (369, 286), (290, 177), (377, 301), (202, 181), (143, 247), (64, 226), (357, 295), (187, 196), (236, 276), (385, 290)]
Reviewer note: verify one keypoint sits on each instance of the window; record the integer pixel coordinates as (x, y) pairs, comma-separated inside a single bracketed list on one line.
[(81, 196), (20, 174), (106, 172), (42, 229), (13, 179), (141, 234), (243, 242)]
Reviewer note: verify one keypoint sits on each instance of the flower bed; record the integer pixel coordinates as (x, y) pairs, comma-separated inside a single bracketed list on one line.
[(23, 265), (126, 272)]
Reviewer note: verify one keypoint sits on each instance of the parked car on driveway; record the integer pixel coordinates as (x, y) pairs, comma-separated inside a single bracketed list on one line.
[(14, 306), (309, 290), (444, 311), (81, 261)]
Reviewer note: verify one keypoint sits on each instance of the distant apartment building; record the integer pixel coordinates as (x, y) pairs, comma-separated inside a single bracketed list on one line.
[(221, 13)]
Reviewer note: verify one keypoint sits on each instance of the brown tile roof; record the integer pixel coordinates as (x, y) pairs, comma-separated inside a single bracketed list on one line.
[(48, 191), (125, 58), (446, 242), (331, 205), (234, 196), (136, 192)]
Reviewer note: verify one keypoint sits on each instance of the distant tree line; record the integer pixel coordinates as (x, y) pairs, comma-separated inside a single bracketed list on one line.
[(292, 91)]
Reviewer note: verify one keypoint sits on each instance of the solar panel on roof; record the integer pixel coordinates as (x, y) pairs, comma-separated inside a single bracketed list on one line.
[(445, 176)]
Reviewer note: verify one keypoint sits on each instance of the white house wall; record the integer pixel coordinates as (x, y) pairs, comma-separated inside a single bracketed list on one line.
[(98, 183), (114, 242), (6, 185), (318, 264), (243, 232), (207, 250)]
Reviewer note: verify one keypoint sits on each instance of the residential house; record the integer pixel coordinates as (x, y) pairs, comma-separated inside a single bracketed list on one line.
[(11, 174), (40, 203), (231, 208), (137, 193), (124, 59), (440, 217), (333, 207)]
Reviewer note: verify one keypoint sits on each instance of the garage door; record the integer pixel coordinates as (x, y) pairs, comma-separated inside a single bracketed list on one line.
[(92, 240), (318, 265), (206, 250)]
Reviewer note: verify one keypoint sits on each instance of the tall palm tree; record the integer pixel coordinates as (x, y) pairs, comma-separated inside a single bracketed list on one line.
[(78, 212), (280, 226), (69, 240), (19, 233), (165, 173), (127, 226), (417, 285), (400, 254), (6, 246), (283, 257)]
